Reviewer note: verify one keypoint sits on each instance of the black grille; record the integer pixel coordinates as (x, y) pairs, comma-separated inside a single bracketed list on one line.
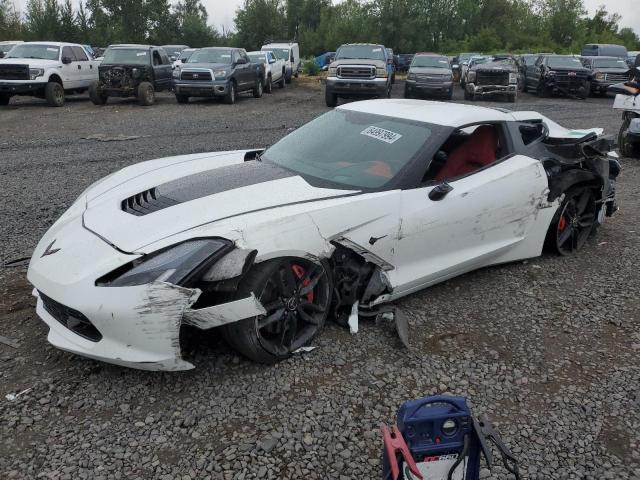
[(492, 78), (14, 72), (570, 80), (203, 76), (146, 202), (70, 318), (616, 77), (356, 72), (426, 79)]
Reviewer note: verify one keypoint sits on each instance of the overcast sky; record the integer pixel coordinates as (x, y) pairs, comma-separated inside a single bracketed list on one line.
[(222, 12)]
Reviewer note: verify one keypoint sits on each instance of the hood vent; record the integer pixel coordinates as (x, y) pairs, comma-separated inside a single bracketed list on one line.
[(146, 202)]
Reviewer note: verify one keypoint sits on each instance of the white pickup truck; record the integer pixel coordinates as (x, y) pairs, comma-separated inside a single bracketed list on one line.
[(46, 70), (274, 68)]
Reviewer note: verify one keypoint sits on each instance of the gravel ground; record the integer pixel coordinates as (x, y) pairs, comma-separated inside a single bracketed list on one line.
[(548, 348)]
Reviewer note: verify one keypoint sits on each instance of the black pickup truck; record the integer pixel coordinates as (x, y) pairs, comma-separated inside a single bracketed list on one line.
[(218, 72)]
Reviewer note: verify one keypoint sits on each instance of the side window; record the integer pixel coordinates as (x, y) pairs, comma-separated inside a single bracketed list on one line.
[(164, 57), (532, 132), (244, 55), (68, 52), (466, 151), (156, 58), (80, 54), (235, 56)]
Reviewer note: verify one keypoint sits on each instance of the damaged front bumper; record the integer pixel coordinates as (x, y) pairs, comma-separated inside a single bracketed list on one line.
[(133, 326), (482, 90)]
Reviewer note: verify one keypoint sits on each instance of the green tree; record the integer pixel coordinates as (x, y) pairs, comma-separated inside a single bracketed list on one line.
[(258, 21)]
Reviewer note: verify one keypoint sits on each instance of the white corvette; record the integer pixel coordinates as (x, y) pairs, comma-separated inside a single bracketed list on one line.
[(361, 206)]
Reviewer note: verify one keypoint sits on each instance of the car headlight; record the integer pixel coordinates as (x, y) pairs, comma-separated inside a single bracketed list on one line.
[(599, 76), (513, 78), (381, 72), (35, 73), (471, 77), (333, 71), (411, 76), (176, 72), (550, 73), (175, 264), (220, 74)]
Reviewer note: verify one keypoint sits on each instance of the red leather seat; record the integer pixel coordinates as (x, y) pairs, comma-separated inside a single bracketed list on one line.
[(479, 150)]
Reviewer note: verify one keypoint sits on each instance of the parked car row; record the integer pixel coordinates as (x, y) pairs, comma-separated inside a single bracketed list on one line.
[(50, 70)]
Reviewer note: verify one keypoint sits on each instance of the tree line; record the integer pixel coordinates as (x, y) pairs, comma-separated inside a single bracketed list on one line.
[(447, 26)]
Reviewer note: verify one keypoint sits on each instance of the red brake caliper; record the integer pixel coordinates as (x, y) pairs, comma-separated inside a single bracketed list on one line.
[(562, 223), (299, 272)]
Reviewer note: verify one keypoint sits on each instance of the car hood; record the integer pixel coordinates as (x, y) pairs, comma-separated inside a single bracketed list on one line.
[(430, 70), (610, 70), (493, 67), (149, 202), (32, 62), (358, 61), (212, 66)]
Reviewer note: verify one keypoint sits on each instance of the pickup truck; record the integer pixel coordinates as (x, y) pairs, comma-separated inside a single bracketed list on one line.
[(360, 69), (274, 68), (221, 72), (46, 70)]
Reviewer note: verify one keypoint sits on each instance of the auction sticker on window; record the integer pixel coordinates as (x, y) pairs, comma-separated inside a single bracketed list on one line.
[(378, 133)]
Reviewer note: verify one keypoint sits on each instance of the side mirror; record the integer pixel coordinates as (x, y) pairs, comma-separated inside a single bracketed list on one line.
[(66, 60), (390, 61), (440, 191), (183, 60), (2, 54), (272, 61), (173, 58), (241, 61)]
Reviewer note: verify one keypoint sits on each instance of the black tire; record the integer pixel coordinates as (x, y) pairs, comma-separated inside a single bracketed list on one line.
[(525, 88), (295, 74), (512, 97), (574, 221), (54, 94), (4, 99), (257, 90), (407, 93), (146, 94), (330, 98), (268, 87), (287, 79), (467, 95), (282, 82), (586, 91), (230, 97), (449, 95), (393, 78), (96, 95), (541, 90), (626, 148), (296, 294), (182, 98)]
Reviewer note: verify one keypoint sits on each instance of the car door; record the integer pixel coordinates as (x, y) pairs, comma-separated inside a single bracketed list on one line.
[(85, 66), (71, 69), (161, 69), (534, 73), (485, 218)]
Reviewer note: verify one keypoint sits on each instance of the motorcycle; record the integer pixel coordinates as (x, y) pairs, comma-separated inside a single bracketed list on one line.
[(628, 100)]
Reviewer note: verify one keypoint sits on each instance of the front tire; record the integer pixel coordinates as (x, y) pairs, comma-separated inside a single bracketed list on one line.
[(4, 99), (296, 294), (624, 146), (230, 97), (54, 94), (512, 97), (146, 94), (257, 90), (183, 99), (574, 221), (96, 95), (269, 85), (330, 98)]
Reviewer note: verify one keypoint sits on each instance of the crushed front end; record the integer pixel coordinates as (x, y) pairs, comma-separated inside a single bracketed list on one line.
[(123, 80), (489, 79)]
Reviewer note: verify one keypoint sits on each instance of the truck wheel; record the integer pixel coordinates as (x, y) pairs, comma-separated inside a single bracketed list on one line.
[(330, 98), (624, 146), (407, 93), (257, 90), (146, 95), (269, 85), (541, 90), (282, 80), (230, 97), (467, 95), (512, 97), (524, 86), (96, 95), (182, 98), (288, 78), (54, 94), (4, 99)]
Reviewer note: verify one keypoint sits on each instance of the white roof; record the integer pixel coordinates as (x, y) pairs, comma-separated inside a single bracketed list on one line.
[(438, 113), (54, 44)]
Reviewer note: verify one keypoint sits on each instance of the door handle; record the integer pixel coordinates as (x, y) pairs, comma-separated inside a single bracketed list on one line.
[(440, 191), (79, 67)]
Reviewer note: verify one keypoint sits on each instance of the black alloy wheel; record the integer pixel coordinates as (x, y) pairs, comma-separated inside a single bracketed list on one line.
[(574, 221), (296, 294)]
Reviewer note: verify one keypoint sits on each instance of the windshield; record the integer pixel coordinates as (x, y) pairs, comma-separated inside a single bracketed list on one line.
[(44, 52), (257, 57), (354, 149), (207, 55), (610, 63), (6, 47), (280, 53), (478, 61), (530, 59), (564, 62), (371, 52), (185, 55), (127, 56), (464, 57), (426, 61)]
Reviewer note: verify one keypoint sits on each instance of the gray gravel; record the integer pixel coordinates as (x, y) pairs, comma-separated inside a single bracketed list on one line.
[(548, 348)]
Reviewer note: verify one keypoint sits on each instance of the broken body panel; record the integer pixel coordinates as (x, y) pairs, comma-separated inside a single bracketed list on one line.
[(398, 240)]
